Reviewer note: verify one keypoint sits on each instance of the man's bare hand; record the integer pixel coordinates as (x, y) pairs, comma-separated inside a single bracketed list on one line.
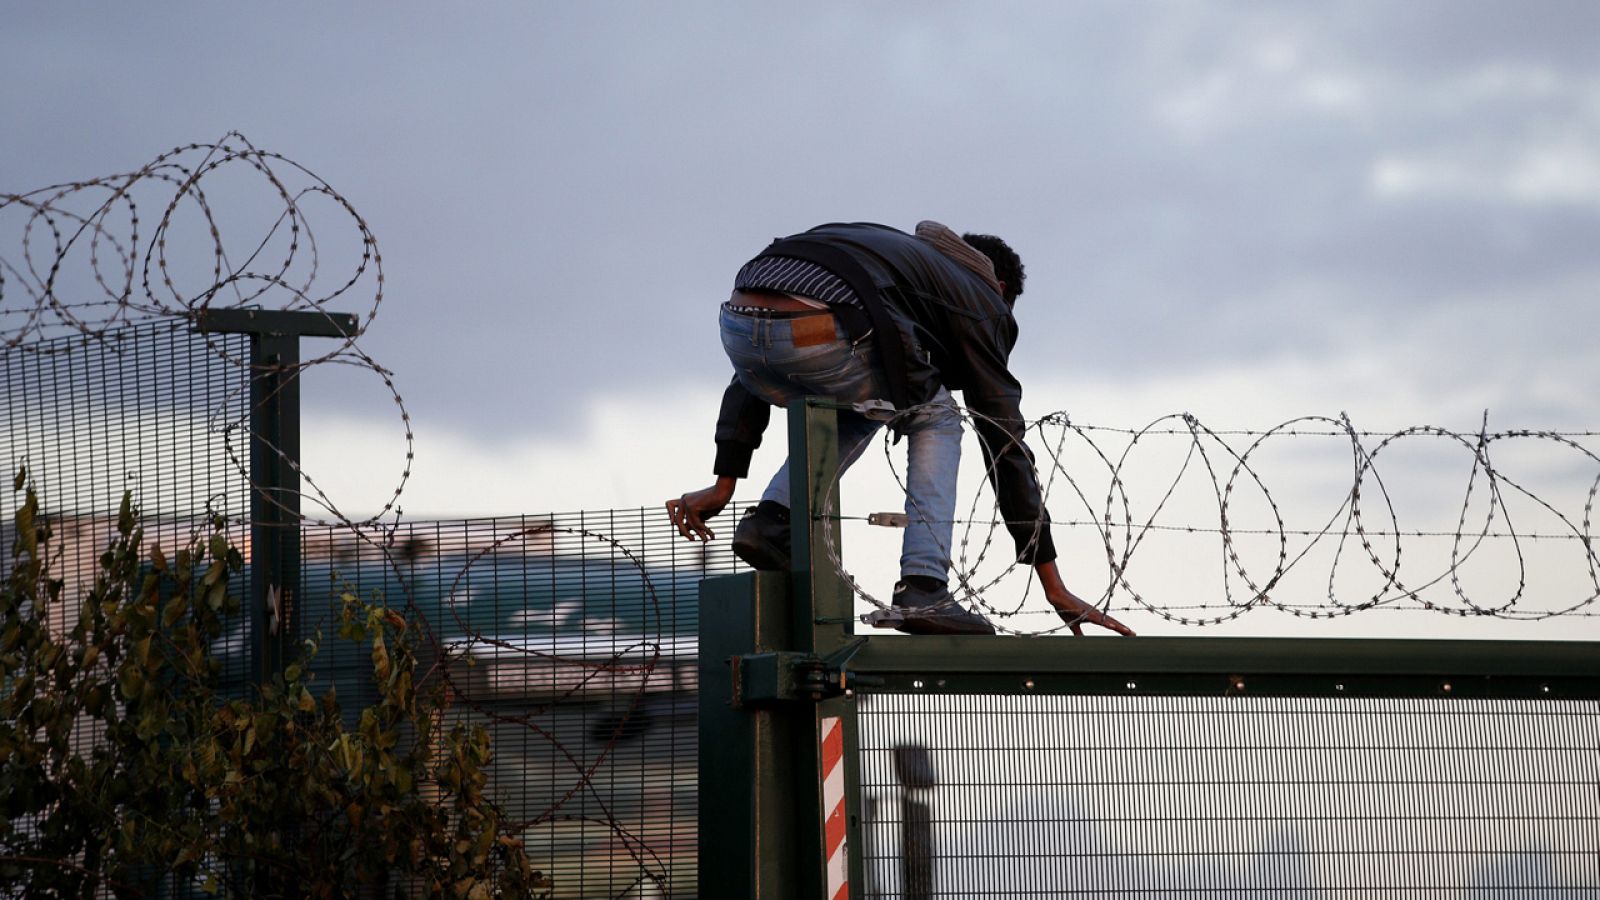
[(690, 511), (1074, 611)]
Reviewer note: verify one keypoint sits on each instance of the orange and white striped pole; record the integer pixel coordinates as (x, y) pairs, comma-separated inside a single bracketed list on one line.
[(835, 850)]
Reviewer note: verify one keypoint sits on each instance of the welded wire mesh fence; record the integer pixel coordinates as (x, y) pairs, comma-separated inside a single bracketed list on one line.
[(572, 639), (143, 410), (1020, 795), (569, 636)]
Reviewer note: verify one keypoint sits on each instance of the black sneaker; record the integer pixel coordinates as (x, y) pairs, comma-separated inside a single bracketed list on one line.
[(935, 612), (762, 538)]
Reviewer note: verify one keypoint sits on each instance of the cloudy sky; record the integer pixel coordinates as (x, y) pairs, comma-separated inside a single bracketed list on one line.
[(1246, 211)]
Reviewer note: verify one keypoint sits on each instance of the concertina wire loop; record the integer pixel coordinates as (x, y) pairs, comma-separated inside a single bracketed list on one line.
[(1365, 524)]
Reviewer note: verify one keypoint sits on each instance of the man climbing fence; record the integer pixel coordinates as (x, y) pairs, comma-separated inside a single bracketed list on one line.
[(864, 314)]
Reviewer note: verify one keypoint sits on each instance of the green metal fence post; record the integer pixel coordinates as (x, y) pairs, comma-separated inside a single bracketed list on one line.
[(747, 764), (824, 621), (776, 738), (274, 468)]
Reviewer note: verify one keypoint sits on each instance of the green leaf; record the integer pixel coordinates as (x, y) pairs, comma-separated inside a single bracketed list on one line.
[(131, 682), (174, 611), (27, 539), (215, 595), (480, 851), (380, 659)]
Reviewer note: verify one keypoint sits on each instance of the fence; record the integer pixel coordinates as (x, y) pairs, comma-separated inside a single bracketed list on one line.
[(1486, 790), (571, 637), (1008, 767), (129, 364), (975, 767), (656, 736), (143, 409)]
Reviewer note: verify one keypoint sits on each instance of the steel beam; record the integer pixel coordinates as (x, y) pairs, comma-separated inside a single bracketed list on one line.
[(1221, 665)]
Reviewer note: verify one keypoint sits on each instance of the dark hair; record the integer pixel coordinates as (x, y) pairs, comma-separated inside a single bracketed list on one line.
[(1007, 264)]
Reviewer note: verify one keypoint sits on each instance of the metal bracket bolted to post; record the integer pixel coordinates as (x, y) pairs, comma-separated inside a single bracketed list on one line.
[(766, 678)]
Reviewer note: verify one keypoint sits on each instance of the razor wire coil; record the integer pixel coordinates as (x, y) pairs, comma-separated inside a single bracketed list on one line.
[(1365, 524)]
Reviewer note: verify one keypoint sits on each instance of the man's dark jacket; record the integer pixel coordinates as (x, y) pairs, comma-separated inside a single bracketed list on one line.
[(935, 323)]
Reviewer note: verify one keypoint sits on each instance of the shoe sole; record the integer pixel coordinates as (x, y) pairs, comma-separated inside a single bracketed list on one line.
[(936, 624), (764, 556)]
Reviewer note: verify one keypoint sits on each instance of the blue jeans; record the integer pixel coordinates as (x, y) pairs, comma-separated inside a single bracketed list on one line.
[(771, 367)]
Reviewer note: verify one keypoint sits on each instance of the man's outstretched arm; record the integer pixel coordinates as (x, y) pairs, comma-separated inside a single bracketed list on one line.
[(740, 422), (1073, 610), (690, 511)]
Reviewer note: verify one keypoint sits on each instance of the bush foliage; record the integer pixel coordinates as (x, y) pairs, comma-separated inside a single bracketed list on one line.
[(125, 768)]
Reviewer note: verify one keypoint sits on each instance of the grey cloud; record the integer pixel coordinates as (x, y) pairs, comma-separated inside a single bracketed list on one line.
[(562, 192)]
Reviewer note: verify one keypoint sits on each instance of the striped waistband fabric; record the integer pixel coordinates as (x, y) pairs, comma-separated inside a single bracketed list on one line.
[(802, 278)]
